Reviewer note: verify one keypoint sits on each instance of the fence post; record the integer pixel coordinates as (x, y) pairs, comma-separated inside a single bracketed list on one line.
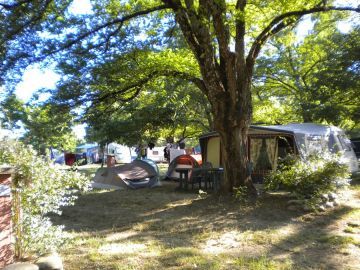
[(6, 230)]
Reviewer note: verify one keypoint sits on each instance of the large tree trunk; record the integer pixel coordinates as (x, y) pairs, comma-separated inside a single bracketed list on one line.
[(232, 117), (235, 159)]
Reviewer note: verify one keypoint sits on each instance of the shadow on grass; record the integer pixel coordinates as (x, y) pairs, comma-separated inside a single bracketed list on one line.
[(314, 245), (174, 218), (179, 221)]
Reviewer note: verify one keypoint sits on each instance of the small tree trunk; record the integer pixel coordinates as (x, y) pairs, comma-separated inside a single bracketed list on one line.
[(18, 232)]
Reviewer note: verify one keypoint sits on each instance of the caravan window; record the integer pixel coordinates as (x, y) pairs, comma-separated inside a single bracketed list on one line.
[(285, 146), (344, 142), (315, 144)]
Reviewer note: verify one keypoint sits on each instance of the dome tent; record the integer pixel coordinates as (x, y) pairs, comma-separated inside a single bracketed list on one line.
[(182, 161), (134, 175)]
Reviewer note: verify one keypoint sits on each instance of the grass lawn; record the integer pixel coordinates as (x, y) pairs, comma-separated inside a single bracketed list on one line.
[(161, 228)]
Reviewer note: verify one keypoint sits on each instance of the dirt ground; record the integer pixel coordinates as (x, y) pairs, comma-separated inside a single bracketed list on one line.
[(163, 228)]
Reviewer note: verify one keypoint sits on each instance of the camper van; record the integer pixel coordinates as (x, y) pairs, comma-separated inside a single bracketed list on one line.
[(269, 143)]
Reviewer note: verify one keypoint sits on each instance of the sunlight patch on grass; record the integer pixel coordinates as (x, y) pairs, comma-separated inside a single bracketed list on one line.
[(350, 230), (217, 243), (87, 241), (151, 225), (169, 206), (353, 228), (262, 237), (338, 240), (188, 258), (119, 236), (93, 256), (261, 263), (220, 244), (354, 214), (142, 226), (121, 248), (179, 203)]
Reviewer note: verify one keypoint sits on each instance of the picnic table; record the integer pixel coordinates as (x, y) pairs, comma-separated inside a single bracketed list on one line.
[(214, 175)]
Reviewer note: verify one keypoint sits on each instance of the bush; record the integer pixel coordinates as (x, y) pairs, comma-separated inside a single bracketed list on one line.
[(39, 188), (308, 178)]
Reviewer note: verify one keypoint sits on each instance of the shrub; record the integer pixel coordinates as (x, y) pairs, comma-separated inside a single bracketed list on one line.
[(310, 177), (39, 188), (241, 193)]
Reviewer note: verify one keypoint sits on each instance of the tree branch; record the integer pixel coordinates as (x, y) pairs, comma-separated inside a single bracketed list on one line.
[(197, 33), (39, 15), (137, 86), (240, 41), (311, 67), (15, 5), (119, 21), (185, 25), (222, 33), (283, 21), (200, 84), (279, 81), (221, 29)]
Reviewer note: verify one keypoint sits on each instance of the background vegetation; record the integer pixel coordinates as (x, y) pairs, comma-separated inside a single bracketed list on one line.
[(39, 188)]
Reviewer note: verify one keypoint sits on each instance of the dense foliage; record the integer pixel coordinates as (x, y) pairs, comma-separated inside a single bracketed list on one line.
[(39, 188), (314, 79), (166, 109), (310, 177), (45, 125)]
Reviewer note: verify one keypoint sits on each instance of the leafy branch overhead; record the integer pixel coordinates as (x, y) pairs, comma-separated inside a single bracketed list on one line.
[(112, 81), (317, 77)]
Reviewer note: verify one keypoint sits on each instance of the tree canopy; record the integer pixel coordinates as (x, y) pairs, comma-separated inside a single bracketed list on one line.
[(166, 108), (317, 77), (44, 125)]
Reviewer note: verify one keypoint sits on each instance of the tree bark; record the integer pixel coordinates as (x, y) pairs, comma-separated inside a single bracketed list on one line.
[(232, 120)]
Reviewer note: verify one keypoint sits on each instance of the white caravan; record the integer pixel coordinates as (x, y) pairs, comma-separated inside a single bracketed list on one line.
[(122, 153), (156, 154)]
